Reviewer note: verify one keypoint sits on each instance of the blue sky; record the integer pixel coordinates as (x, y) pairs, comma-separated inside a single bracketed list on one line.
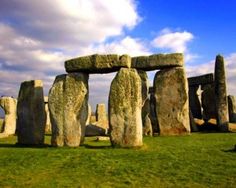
[(38, 36)]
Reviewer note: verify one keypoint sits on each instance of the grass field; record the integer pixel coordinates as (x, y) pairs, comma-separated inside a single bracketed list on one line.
[(199, 160)]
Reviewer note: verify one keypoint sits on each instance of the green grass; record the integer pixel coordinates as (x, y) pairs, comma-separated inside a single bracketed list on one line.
[(199, 160)]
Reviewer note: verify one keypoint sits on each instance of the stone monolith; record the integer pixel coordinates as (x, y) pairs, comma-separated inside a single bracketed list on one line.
[(68, 107), (31, 116), (172, 105), (232, 108), (125, 106), (194, 102), (101, 116), (222, 114)]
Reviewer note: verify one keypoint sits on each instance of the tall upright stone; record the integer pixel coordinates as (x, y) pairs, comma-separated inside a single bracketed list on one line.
[(232, 108), (101, 116), (48, 127), (68, 107), (31, 116), (222, 114), (9, 124), (172, 105), (194, 102), (125, 105)]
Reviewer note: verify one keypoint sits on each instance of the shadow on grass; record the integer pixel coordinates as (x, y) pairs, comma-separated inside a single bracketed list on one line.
[(4, 145), (96, 147), (230, 150)]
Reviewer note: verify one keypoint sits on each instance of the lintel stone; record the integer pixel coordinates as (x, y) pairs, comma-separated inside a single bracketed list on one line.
[(201, 80)]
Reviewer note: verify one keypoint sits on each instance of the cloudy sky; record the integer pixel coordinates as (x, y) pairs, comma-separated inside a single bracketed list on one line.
[(36, 37)]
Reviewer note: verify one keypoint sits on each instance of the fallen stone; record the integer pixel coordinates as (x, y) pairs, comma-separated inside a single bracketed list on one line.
[(201, 80), (31, 116), (157, 61), (93, 130), (68, 105), (125, 105), (8, 104), (172, 105), (98, 63), (222, 114), (232, 108)]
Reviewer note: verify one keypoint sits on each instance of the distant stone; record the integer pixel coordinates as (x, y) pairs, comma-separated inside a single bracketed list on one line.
[(31, 116), (222, 114), (193, 125), (48, 127), (157, 61), (232, 108), (125, 105), (172, 105), (98, 63), (101, 116), (93, 130), (68, 105), (145, 85), (194, 102), (92, 119), (8, 104), (208, 102), (147, 128), (89, 115), (201, 80), (152, 114)]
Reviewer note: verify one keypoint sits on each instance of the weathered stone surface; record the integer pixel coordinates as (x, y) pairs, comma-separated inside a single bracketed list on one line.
[(101, 116), (89, 115), (8, 104), (31, 116), (222, 114), (208, 102), (92, 119), (93, 130), (145, 85), (232, 108), (98, 63), (201, 80), (147, 128), (48, 127), (68, 105), (194, 102), (152, 115), (172, 105), (157, 61), (125, 104)]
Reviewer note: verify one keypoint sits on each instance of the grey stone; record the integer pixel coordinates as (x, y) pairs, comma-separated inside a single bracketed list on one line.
[(48, 127), (145, 85), (157, 61), (172, 105), (147, 128), (222, 114), (232, 108), (101, 116), (208, 102), (98, 63), (125, 105), (194, 102), (68, 105), (93, 130), (201, 80), (31, 116), (9, 123)]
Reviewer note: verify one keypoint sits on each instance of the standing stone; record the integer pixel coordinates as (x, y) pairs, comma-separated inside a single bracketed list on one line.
[(172, 105), (89, 115), (152, 115), (68, 105), (145, 85), (101, 116), (208, 102), (193, 125), (222, 114), (194, 102), (125, 105), (48, 127), (31, 116), (9, 124), (147, 128), (232, 108)]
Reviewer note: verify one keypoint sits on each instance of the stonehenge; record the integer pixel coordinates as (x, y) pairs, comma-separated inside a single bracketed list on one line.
[(134, 108), (31, 116), (8, 104)]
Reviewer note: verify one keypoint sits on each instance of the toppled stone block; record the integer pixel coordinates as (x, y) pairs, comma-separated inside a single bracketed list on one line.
[(125, 106), (232, 108), (172, 105), (9, 124), (201, 80), (98, 63), (68, 107), (157, 61), (222, 114), (31, 116)]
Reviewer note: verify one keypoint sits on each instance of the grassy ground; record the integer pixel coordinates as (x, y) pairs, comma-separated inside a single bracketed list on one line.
[(199, 160)]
